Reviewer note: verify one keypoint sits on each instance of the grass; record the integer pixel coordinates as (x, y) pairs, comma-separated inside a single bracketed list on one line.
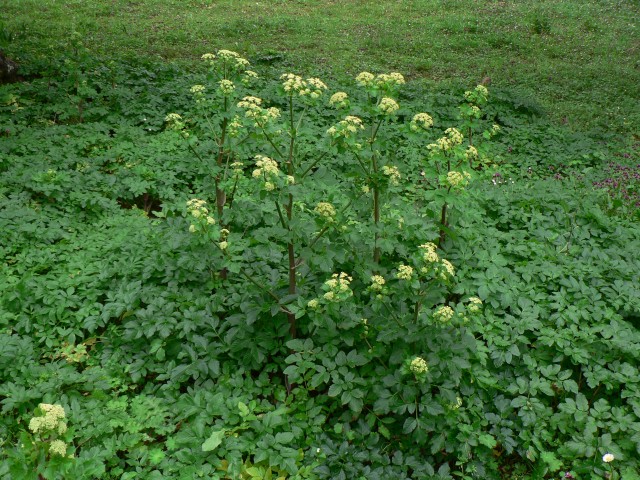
[(580, 59)]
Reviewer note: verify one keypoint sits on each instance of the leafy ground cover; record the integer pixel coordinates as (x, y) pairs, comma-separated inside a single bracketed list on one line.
[(394, 281)]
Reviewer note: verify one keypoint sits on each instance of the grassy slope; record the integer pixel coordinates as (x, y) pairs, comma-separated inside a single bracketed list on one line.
[(579, 58)]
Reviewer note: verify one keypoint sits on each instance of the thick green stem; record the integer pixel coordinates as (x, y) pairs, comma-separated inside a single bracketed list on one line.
[(289, 209), (221, 197), (376, 212), (443, 224)]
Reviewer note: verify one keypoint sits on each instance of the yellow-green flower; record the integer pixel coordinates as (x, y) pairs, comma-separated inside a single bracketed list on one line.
[(365, 79), (388, 105), (443, 314), (405, 272), (393, 173), (455, 137), (419, 366), (346, 128), (326, 210), (421, 122), (377, 282), (58, 447), (339, 100), (226, 87), (474, 305)]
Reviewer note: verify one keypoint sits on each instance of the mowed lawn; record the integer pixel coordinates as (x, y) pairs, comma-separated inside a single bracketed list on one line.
[(579, 59)]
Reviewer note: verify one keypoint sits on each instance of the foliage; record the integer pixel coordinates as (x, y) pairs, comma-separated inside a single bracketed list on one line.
[(235, 291)]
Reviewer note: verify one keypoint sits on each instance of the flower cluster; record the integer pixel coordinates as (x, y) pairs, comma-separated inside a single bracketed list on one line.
[(234, 127), (199, 211), (393, 173), (456, 405), (443, 314), (248, 77), (388, 106), (268, 170), (227, 59), (254, 110), (471, 153), (405, 272), (51, 422), (346, 128), (58, 447), (174, 121), (474, 305), (377, 286), (429, 254), (447, 271), (454, 135), (457, 179), (389, 80), (326, 210), (377, 282), (339, 100), (337, 288), (418, 366), (421, 122), (311, 87), (198, 90), (477, 96), (365, 79), (384, 81), (226, 87)]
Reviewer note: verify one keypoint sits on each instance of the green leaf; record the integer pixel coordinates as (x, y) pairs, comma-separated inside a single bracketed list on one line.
[(552, 462), (214, 440), (487, 440), (410, 425)]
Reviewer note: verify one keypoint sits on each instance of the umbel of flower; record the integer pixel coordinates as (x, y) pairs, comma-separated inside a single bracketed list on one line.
[(447, 270), (267, 169), (457, 405), (405, 272), (226, 87), (471, 153), (174, 121), (337, 288), (458, 179), (51, 422), (198, 91), (454, 135), (389, 80), (226, 59), (377, 283), (443, 144), (234, 127), (393, 173), (346, 128), (248, 77), (478, 96), (253, 110), (429, 254), (312, 88), (443, 314), (326, 210), (474, 305), (198, 210), (418, 366), (339, 100), (388, 106), (421, 122), (365, 79)]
